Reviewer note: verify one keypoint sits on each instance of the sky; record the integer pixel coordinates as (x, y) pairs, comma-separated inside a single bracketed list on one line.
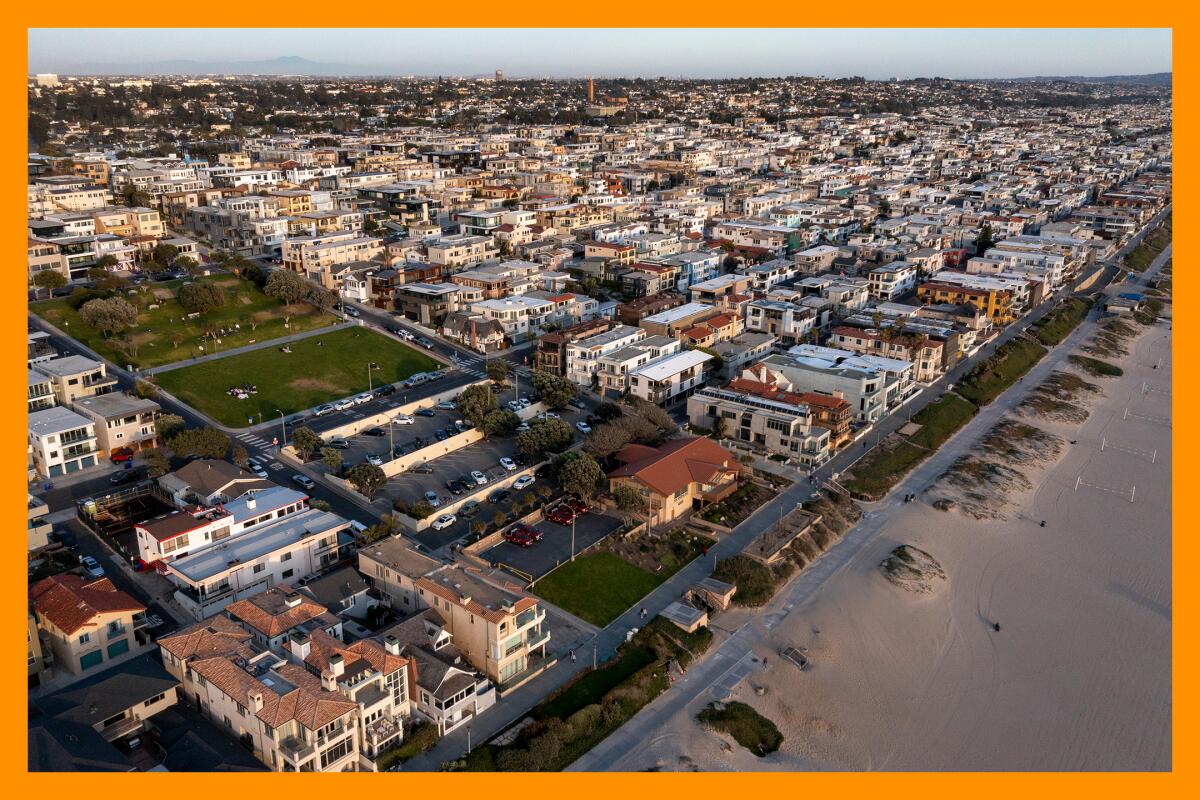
[(698, 53)]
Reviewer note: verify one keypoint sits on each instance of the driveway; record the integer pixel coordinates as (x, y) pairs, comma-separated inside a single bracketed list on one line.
[(555, 546)]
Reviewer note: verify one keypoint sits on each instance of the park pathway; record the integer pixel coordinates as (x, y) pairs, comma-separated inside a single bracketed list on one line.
[(248, 348)]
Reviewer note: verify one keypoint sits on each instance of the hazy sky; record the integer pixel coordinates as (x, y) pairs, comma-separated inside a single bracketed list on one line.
[(872, 53)]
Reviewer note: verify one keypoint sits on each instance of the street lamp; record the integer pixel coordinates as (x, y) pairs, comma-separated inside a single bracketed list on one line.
[(283, 422), (572, 538)]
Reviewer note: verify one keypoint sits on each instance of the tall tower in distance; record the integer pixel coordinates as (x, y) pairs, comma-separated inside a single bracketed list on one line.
[(499, 74), (591, 91)]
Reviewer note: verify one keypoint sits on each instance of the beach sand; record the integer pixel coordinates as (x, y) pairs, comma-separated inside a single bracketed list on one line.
[(1078, 677)]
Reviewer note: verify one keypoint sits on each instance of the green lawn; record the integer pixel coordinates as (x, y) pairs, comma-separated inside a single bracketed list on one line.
[(988, 381), (164, 335), (880, 469), (597, 587), (319, 369)]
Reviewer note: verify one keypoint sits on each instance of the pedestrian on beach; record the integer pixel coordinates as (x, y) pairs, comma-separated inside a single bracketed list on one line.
[(1043, 524)]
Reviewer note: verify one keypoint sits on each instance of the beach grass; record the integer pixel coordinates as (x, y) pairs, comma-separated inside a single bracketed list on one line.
[(1005, 367), (748, 728), (1154, 243), (1096, 367), (1058, 324), (319, 369)]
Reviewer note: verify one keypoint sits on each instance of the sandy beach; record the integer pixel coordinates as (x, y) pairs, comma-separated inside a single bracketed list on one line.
[(1078, 677)]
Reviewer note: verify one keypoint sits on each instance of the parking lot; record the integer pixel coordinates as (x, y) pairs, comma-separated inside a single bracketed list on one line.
[(555, 546)]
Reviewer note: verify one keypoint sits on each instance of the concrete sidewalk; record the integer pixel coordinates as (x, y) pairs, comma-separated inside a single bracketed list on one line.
[(249, 348)]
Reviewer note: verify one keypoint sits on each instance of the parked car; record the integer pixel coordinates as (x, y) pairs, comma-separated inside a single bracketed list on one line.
[(508, 464), (548, 415), (392, 329), (576, 505), (461, 426), (385, 390), (121, 455), (425, 343), (362, 398), (496, 388), (479, 478), (338, 443), (66, 539), (374, 460), (433, 499), (303, 481), (523, 482), (454, 486), (403, 419), (561, 514), (351, 311), (447, 405), (524, 426), (259, 470), (374, 432), (421, 469), (583, 428), (342, 405), (124, 476), (575, 403), (469, 508), (92, 567), (521, 459), (513, 405), (529, 530), (499, 496), (524, 402), (323, 410), (444, 521), (441, 435), (425, 412), (518, 538)]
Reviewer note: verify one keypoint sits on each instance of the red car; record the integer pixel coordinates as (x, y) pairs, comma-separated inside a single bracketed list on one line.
[(121, 455), (578, 506), (561, 514), (518, 538), (530, 531)]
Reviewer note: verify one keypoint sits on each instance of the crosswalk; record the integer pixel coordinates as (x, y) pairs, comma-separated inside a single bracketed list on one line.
[(257, 442), (477, 367)]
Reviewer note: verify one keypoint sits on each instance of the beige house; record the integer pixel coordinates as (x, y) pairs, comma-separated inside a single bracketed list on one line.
[(393, 566), (88, 622), (676, 477), (73, 377), (499, 632), (121, 421)]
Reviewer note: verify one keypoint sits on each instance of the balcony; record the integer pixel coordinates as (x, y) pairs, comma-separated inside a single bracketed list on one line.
[(535, 639), (296, 750)]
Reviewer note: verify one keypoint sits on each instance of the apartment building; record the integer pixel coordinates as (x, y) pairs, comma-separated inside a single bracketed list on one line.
[(500, 633), (667, 380), (786, 321), (895, 375), (392, 566), (122, 422), (86, 622), (41, 391), (892, 280), (318, 257), (210, 482), (681, 475), (781, 425), (674, 321), (614, 368), (925, 354), (583, 356), (286, 549), (275, 616), (46, 255), (521, 316), (551, 353), (61, 441), (996, 303), (74, 377), (461, 250)]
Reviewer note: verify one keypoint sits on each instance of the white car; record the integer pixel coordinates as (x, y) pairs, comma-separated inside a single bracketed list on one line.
[(583, 427), (404, 419), (92, 567), (524, 426), (523, 402), (374, 460), (548, 415), (514, 405), (362, 398), (444, 521), (342, 405), (258, 470), (523, 482), (323, 410), (479, 478), (433, 499), (508, 464)]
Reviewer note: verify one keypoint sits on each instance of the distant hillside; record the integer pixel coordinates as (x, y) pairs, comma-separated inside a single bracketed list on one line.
[(1153, 79), (284, 65)]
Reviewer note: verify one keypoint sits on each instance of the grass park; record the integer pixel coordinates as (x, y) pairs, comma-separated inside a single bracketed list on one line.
[(597, 587), (165, 334), (318, 369)]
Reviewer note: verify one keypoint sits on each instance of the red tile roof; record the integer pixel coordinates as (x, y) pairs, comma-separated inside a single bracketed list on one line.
[(71, 602), (676, 464)]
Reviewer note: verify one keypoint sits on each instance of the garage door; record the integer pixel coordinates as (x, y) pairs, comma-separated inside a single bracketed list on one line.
[(89, 660), (117, 648)]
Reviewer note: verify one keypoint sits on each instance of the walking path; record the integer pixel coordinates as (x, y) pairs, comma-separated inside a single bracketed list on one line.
[(248, 348)]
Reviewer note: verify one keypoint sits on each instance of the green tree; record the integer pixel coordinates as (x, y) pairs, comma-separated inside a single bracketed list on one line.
[(156, 463), (306, 442), (200, 297), (319, 505), (630, 501), (718, 428), (498, 370), (608, 411), (332, 459), (388, 526), (189, 265), (420, 510), (475, 402), (367, 479), (240, 456), (49, 279), (145, 389), (500, 422), (543, 436), (287, 287), (165, 253), (109, 315), (605, 440), (984, 240), (203, 442), (555, 390), (499, 518), (134, 197), (167, 425), (579, 474)]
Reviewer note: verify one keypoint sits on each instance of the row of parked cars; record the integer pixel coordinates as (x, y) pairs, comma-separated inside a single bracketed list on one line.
[(564, 513)]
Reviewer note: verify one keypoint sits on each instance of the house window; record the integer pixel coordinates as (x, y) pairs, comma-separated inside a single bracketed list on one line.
[(286, 557), (84, 638), (287, 573)]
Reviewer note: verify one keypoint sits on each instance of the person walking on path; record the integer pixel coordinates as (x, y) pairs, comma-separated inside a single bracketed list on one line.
[(644, 612), (572, 654)]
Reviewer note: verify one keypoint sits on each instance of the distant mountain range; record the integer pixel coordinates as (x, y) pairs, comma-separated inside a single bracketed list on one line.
[(284, 65), (1153, 79)]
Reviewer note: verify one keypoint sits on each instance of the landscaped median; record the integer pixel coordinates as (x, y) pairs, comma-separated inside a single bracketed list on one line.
[(877, 472), (585, 712), (318, 370)]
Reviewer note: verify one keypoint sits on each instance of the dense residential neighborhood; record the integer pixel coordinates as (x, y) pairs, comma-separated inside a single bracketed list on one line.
[(365, 416)]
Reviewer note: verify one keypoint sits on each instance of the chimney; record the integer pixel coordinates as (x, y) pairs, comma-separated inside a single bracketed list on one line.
[(337, 665), (300, 644), (251, 503), (292, 599), (328, 681), (256, 699), (391, 644)]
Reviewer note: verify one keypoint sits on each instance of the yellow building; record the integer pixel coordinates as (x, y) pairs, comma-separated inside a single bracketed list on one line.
[(996, 303)]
